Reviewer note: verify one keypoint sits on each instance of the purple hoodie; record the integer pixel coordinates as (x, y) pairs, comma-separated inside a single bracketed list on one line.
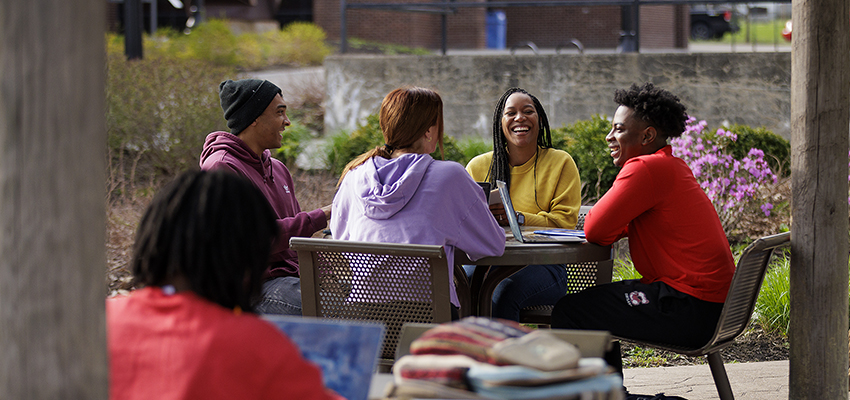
[(223, 150), (415, 199)]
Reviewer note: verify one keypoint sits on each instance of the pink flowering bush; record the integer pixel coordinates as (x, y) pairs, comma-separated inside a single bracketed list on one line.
[(735, 186)]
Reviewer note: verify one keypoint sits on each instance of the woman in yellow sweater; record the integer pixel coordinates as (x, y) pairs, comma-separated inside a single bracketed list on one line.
[(545, 189)]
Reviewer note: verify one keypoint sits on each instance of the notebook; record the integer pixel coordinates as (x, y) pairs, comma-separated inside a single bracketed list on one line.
[(517, 231), (346, 351)]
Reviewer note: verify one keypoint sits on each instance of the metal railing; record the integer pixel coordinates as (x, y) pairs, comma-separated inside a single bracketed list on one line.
[(448, 7)]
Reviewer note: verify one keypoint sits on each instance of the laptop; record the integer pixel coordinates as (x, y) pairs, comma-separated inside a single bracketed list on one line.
[(346, 351), (517, 230)]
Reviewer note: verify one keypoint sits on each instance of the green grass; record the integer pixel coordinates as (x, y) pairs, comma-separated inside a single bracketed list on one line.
[(360, 45), (772, 310), (768, 32)]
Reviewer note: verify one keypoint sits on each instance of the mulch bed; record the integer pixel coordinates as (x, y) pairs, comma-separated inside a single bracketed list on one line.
[(754, 345)]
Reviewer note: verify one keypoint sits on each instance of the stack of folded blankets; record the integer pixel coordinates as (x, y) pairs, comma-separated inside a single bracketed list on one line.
[(481, 358)]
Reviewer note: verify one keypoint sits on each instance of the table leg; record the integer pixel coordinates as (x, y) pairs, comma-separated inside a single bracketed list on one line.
[(483, 295), (475, 288)]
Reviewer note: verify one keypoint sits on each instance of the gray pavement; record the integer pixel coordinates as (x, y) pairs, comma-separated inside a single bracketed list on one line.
[(750, 381)]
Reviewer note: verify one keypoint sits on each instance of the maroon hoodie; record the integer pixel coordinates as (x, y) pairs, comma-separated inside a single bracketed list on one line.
[(223, 150)]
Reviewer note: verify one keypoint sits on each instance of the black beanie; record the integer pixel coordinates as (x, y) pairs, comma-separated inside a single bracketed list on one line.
[(244, 100)]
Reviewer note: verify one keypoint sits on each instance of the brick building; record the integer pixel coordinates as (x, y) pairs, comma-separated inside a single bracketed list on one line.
[(661, 26)]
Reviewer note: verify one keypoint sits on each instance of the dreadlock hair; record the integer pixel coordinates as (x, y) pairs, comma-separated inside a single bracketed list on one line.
[(500, 167), (406, 114), (215, 229), (655, 106)]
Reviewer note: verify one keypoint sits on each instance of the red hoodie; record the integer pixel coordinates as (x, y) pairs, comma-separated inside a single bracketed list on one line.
[(223, 150)]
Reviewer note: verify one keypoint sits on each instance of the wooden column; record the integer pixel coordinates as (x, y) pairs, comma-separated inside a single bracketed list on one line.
[(52, 212), (820, 114)]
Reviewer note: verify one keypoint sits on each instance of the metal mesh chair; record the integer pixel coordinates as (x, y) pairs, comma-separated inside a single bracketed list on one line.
[(387, 282), (737, 309), (580, 276)]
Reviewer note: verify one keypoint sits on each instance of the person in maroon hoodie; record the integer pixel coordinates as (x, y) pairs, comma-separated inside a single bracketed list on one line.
[(256, 115)]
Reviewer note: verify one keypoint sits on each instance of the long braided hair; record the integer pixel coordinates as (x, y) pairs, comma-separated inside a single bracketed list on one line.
[(500, 167), (215, 229)]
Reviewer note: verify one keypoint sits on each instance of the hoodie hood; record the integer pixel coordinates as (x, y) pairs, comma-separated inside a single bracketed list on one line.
[(389, 184), (235, 147)]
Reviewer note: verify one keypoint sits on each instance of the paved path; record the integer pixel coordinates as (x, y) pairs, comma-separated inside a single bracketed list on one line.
[(750, 381)]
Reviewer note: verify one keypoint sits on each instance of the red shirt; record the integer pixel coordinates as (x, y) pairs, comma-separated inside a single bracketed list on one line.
[(184, 347), (674, 233)]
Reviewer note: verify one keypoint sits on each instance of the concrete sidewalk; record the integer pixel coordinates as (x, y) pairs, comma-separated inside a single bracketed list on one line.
[(750, 381)]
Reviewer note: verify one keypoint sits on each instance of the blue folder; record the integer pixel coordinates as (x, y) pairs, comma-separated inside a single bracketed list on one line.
[(346, 351), (561, 232)]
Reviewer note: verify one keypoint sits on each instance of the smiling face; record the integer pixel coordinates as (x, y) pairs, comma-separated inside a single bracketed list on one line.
[(520, 122), (264, 132), (629, 136)]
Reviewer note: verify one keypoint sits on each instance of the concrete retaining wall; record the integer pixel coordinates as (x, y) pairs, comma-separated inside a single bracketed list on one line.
[(736, 88)]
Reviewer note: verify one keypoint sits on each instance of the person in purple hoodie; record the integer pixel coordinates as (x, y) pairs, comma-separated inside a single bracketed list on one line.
[(397, 193), (256, 115)]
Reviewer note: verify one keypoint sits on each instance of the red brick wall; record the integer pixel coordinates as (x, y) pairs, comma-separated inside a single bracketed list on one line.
[(552, 26), (466, 28), (548, 27), (662, 26)]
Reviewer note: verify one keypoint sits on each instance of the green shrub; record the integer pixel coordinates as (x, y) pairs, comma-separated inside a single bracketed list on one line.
[(585, 141), (252, 53), (292, 143), (304, 44), (298, 44), (213, 41), (384, 48), (344, 147), (158, 113), (777, 150), (472, 147)]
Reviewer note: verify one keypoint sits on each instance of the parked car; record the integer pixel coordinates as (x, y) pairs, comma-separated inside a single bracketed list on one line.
[(712, 21)]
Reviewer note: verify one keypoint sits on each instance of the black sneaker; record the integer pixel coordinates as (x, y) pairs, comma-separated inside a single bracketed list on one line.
[(659, 396)]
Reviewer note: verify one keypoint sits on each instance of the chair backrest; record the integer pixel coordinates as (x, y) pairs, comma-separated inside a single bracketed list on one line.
[(745, 287), (582, 212), (387, 282)]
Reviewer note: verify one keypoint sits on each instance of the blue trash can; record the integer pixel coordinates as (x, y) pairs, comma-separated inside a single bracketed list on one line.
[(497, 27)]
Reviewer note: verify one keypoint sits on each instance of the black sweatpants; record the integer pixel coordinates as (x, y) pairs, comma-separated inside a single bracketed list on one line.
[(630, 309)]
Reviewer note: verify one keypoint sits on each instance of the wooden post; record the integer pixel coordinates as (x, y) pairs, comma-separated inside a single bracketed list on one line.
[(52, 213), (820, 114)]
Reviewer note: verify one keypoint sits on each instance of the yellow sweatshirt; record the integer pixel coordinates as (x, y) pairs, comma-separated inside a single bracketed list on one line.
[(557, 185)]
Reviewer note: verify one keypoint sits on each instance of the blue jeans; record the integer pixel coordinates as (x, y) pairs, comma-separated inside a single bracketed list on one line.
[(280, 296), (533, 285)]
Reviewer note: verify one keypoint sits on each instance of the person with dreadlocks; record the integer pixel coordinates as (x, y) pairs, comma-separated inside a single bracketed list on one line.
[(545, 189), (190, 331), (676, 241), (397, 193)]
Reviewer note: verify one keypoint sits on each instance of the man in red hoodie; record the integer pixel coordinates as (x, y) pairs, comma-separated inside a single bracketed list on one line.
[(256, 115)]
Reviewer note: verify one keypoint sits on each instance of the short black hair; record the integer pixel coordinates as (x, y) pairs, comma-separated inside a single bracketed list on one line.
[(213, 228), (655, 106)]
